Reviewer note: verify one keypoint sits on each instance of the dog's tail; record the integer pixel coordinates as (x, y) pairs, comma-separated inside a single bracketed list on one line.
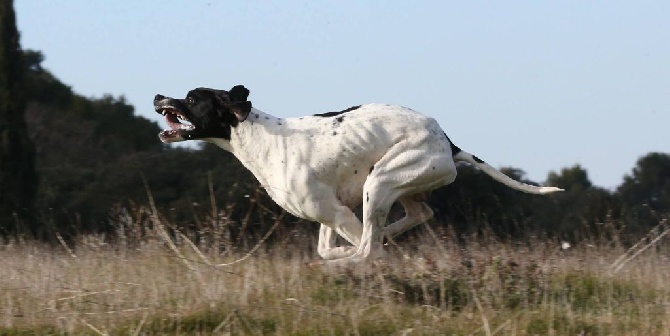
[(500, 177)]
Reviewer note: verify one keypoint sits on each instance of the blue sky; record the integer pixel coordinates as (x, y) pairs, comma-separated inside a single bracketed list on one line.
[(535, 85)]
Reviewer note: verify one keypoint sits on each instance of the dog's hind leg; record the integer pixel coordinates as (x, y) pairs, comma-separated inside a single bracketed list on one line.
[(416, 212), (379, 197), (401, 173)]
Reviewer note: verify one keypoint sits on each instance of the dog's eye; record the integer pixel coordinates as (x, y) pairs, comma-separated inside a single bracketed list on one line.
[(190, 100)]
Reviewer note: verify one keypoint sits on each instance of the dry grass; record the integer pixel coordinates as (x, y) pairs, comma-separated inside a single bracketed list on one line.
[(489, 288)]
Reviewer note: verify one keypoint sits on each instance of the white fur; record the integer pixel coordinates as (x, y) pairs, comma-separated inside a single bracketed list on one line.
[(319, 168)]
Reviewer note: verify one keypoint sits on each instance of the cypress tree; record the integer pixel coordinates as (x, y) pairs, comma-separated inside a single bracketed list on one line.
[(18, 179)]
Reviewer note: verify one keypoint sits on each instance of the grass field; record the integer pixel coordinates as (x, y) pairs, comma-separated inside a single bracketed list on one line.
[(428, 286)]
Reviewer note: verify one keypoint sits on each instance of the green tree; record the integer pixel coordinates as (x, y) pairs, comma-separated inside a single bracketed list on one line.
[(645, 193), (574, 178), (17, 154), (41, 86), (575, 213), (649, 183)]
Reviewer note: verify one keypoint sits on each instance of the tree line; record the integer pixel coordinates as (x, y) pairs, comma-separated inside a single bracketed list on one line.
[(73, 164)]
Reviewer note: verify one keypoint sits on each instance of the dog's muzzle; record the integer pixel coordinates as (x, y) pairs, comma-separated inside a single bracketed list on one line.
[(166, 107)]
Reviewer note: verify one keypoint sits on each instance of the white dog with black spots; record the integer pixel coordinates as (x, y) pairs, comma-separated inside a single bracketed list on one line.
[(320, 167)]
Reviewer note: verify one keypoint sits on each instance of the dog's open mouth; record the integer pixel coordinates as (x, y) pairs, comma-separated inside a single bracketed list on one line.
[(174, 118)]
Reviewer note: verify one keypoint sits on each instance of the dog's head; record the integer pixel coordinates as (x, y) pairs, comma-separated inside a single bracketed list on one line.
[(210, 113)]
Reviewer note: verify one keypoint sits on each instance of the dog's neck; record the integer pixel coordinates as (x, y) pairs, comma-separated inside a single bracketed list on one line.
[(258, 126), (256, 141)]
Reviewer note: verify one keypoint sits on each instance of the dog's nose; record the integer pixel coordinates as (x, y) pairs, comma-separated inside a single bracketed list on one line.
[(159, 97)]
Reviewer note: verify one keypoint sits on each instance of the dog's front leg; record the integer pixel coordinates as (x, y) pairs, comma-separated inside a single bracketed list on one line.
[(337, 219), (327, 248)]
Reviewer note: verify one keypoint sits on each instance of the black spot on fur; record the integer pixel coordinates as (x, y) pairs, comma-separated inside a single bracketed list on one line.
[(279, 123), (334, 133), (371, 169), (327, 114), (356, 107), (256, 115), (266, 118), (367, 197), (333, 114), (355, 171), (454, 149), (477, 159), (340, 118)]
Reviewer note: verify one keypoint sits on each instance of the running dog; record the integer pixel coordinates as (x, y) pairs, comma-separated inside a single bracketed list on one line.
[(320, 167)]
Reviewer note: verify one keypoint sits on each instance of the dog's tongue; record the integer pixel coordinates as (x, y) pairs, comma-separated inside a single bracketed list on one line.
[(173, 121), (175, 124)]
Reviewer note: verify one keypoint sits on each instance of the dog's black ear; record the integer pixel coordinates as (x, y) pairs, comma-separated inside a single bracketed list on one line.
[(238, 93), (241, 107), (235, 100)]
